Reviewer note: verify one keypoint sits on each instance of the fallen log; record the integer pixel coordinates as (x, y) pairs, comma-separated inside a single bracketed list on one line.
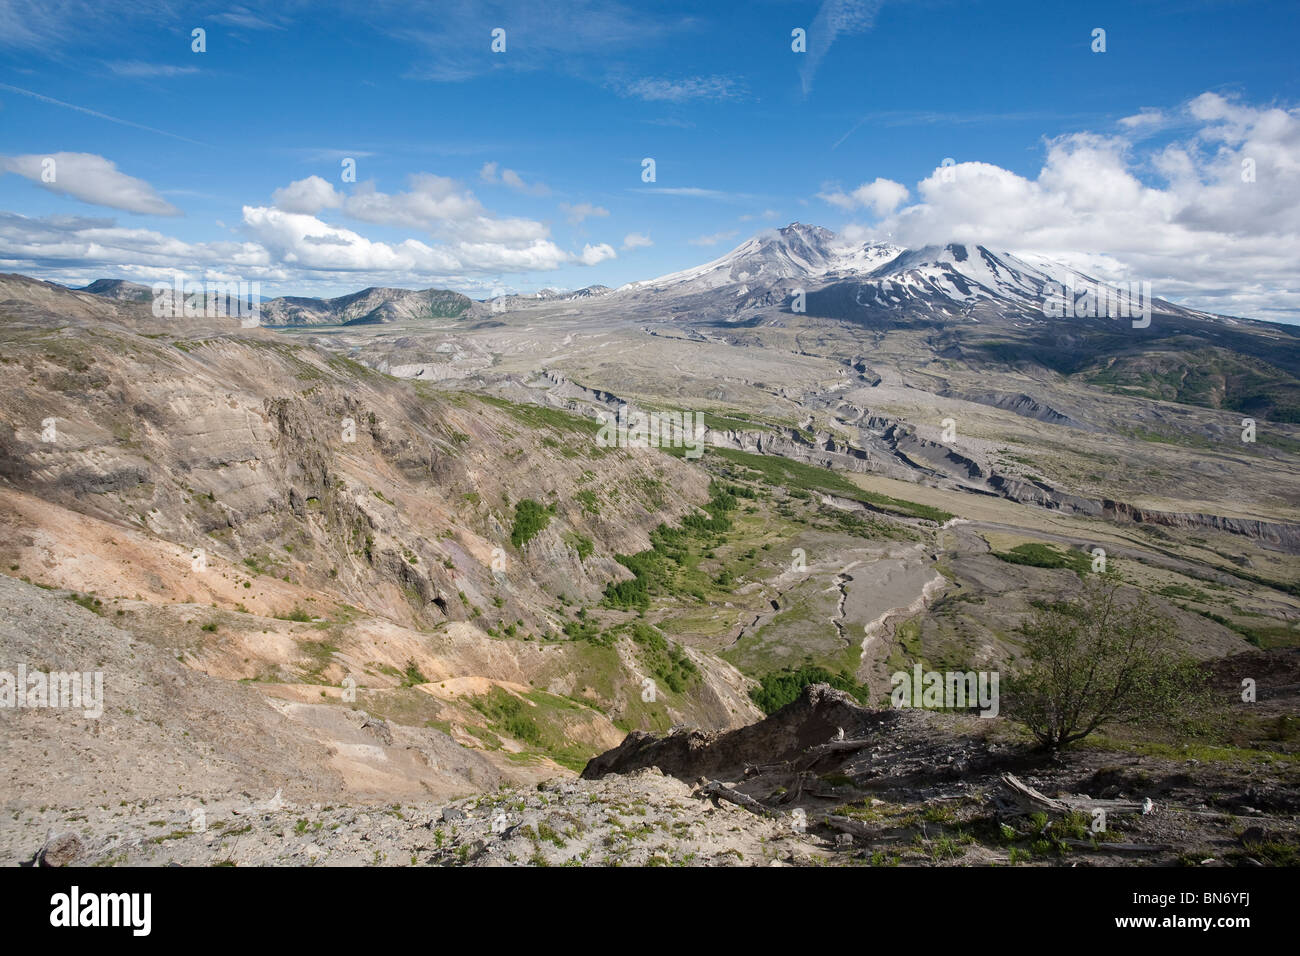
[(860, 829), (720, 791), (1028, 794), (847, 824), (1123, 847)]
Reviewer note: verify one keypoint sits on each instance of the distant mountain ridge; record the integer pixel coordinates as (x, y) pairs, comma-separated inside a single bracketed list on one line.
[(846, 279), (373, 306), (119, 289)]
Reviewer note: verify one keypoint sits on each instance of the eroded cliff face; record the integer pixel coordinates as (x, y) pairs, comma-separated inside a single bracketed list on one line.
[(383, 494), (278, 515)]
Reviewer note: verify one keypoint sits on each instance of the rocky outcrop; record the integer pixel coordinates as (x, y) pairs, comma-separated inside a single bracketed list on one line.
[(817, 716), (1019, 404), (1043, 495), (1283, 536)]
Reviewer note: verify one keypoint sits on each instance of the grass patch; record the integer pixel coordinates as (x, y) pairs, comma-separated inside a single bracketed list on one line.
[(88, 601), (1039, 555), (539, 416), (796, 476), (580, 543), (297, 614)]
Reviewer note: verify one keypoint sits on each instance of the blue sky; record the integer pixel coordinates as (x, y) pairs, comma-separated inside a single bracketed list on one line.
[(746, 134)]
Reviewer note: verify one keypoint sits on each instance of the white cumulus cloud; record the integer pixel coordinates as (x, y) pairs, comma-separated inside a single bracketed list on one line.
[(882, 196), (90, 178), (597, 253), (1211, 219), (309, 196)]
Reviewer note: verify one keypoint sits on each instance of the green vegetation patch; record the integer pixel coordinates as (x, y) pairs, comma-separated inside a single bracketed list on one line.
[(531, 520), (1039, 555), (797, 476), (537, 721), (666, 660), (655, 569), (779, 688), (580, 543), (539, 416)]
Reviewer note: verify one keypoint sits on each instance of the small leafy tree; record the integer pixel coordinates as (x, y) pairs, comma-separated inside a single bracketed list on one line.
[(1096, 659)]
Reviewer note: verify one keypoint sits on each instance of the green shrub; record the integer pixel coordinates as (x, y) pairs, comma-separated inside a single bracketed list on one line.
[(779, 688), (1095, 660), (413, 675)]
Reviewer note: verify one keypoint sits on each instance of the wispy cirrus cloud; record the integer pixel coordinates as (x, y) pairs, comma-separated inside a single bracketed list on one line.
[(1146, 117), (683, 89), (715, 238), (576, 213), (248, 20), (698, 192), (834, 19), (493, 173), (98, 115), (897, 118), (51, 26), (141, 69), (575, 36)]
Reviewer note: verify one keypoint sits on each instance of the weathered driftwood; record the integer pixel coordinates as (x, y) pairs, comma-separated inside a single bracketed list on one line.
[(1027, 794), (860, 829), (848, 825), (720, 791), (1125, 847)]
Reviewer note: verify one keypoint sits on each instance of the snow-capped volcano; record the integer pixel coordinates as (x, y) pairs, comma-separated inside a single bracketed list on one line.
[(840, 277), (974, 281), (961, 275), (797, 251)]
